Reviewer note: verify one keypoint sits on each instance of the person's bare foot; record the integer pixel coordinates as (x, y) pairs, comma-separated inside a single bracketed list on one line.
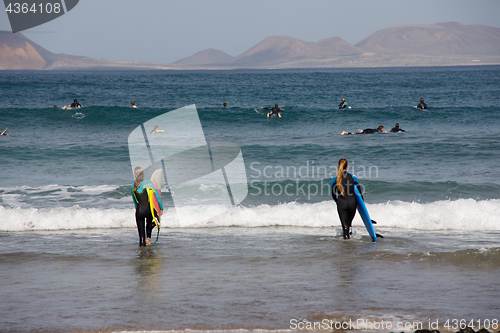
[(148, 241)]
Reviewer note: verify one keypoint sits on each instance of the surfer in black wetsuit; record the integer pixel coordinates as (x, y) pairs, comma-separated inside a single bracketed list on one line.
[(422, 105), (143, 212), (274, 111), (397, 129), (73, 105), (379, 129), (343, 194), (343, 105)]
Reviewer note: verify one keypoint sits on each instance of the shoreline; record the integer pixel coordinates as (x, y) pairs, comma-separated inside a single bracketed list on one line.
[(166, 67)]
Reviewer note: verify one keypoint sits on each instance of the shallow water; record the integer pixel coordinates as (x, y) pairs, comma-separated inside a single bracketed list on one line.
[(242, 278)]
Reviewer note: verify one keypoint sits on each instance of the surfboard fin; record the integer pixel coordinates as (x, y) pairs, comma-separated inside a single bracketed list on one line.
[(379, 236), (374, 222)]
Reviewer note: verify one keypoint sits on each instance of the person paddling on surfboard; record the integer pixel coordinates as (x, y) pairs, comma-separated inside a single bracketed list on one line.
[(156, 129), (274, 111), (379, 129), (142, 192), (344, 197)]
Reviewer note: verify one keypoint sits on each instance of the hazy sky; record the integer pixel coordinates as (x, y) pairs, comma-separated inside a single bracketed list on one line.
[(166, 30)]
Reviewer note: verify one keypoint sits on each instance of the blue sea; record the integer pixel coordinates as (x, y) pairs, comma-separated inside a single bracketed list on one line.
[(276, 261)]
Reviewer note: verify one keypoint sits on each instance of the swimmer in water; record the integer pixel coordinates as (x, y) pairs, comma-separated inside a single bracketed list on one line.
[(156, 129), (379, 129), (73, 105), (274, 111), (422, 105), (133, 105), (343, 105), (397, 129)]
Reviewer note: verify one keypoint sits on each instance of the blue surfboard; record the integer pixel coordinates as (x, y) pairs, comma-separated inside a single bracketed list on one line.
[(363, 212)]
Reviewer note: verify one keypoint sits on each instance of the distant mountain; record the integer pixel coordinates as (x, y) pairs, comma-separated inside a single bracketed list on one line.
[(205, 57), (19, 52), (277, 50), (451, 38), (441, 44)]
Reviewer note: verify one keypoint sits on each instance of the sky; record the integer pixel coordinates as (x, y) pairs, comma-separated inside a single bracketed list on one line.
[(163, 31)]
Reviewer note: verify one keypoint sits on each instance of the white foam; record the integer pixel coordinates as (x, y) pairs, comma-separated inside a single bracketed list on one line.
[(30, 219), (463, 214)]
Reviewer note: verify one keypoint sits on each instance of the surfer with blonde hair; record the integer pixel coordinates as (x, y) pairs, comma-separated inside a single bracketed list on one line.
[(344, 197), (142, 192)]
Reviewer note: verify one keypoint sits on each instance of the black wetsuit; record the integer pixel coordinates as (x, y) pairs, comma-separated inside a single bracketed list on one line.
[(143, 212), (369, 131), (76, 105), (397, 129), (274, 110), (422, 105), (346, 204), (342, 105)]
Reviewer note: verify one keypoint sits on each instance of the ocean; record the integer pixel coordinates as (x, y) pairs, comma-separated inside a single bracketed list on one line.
[(276, 261)]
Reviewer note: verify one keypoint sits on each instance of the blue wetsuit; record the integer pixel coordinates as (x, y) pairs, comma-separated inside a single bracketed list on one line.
[(143, 210)]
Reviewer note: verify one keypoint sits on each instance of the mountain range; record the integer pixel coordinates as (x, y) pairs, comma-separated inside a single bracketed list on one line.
[(440, 44)]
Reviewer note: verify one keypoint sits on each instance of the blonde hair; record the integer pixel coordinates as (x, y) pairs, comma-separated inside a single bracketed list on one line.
[(340, 171), (139, 177)]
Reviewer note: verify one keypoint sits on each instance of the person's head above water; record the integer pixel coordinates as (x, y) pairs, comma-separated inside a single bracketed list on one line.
[(343, 99), (421, 100), (75, 100), (276, 105), (397, 125), (381, 127)]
